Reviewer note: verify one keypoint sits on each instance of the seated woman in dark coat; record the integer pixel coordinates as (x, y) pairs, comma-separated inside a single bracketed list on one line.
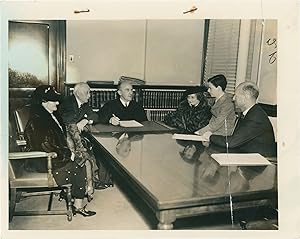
[(45, 131), (193, 112)]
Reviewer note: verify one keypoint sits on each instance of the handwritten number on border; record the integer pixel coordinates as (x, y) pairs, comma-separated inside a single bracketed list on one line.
[(273, 55)]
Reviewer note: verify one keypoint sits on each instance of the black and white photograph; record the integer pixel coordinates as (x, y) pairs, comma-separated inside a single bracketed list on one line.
[(143, 123)]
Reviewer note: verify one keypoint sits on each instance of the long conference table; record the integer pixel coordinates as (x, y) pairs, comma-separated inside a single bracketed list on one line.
[(178, 179)]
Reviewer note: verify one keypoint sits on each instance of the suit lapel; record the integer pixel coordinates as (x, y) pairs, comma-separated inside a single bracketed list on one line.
[(215, 109), (242, 119)]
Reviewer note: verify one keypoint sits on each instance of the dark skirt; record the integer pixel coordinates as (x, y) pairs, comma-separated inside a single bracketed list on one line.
[(64, 173), (74, 174)]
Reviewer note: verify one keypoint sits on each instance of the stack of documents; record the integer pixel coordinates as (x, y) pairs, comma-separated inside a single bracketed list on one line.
[(130, 123), (230, 159), (192, 137)]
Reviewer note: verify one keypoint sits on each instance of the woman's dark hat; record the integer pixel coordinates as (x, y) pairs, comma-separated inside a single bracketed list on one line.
[(196, 89), (45, 93)]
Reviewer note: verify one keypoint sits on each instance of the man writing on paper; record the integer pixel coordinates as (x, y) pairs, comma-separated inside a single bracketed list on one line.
[(253, 132), (123, 108)]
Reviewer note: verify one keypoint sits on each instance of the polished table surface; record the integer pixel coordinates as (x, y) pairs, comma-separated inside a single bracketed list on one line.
[(174, 185), (148, 126)]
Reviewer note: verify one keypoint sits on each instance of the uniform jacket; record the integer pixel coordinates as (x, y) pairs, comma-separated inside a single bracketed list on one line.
[(253, 134), (134, 111), (71, 114)]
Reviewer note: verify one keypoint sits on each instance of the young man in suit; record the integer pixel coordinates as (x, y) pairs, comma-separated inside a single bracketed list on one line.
[(223, 115), (123, 108), (253, 132)]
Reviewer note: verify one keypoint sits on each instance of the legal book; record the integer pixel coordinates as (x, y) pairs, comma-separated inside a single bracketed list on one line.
[(239, 159)]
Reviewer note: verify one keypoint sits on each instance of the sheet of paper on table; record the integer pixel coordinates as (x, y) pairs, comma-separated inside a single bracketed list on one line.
[(247, 159), (192, 137), (130, 123)]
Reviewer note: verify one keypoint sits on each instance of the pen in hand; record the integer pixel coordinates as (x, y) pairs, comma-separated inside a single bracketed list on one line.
[(115, 117), (114, 120)]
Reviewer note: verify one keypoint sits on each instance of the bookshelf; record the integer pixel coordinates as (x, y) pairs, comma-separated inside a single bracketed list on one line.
[(157, 101), (160, 102)]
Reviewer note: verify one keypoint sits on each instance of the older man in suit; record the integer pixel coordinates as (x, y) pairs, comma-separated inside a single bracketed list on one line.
[(75, 110), (253, 132)]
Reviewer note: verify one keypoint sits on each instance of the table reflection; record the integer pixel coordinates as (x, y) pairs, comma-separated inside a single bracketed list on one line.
[(180, 170), (123, 146), (191, 151)]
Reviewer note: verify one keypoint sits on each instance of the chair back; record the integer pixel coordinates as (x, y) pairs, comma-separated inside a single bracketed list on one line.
[(21, 117)]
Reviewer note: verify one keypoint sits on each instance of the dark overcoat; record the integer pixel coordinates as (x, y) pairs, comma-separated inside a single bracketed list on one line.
[(42, 133)]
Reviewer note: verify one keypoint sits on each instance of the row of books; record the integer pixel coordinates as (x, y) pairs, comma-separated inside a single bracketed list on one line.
[(157, 115), (150, 98), (161, 99), (99, 97)]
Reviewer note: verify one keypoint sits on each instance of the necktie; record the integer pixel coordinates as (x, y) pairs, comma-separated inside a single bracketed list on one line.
[(237, 120), (80, 109)]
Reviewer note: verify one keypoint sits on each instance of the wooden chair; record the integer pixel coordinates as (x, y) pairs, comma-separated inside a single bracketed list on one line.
[(22, 182)]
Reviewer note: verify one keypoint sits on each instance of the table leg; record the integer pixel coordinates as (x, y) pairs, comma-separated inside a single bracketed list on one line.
[(166, 219)]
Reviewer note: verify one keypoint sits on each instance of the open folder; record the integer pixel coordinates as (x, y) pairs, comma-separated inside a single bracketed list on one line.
[(192, 137), (130, 123), (231, 159)]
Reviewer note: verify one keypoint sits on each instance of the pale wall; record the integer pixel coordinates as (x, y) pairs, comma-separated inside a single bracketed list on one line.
[(159, 51)]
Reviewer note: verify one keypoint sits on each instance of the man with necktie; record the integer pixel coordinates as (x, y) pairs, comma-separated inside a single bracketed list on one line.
[(75, 108), (253, 132)]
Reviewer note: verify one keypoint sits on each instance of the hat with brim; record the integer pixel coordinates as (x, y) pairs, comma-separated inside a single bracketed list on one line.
[(46, 93), (195, 90)]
